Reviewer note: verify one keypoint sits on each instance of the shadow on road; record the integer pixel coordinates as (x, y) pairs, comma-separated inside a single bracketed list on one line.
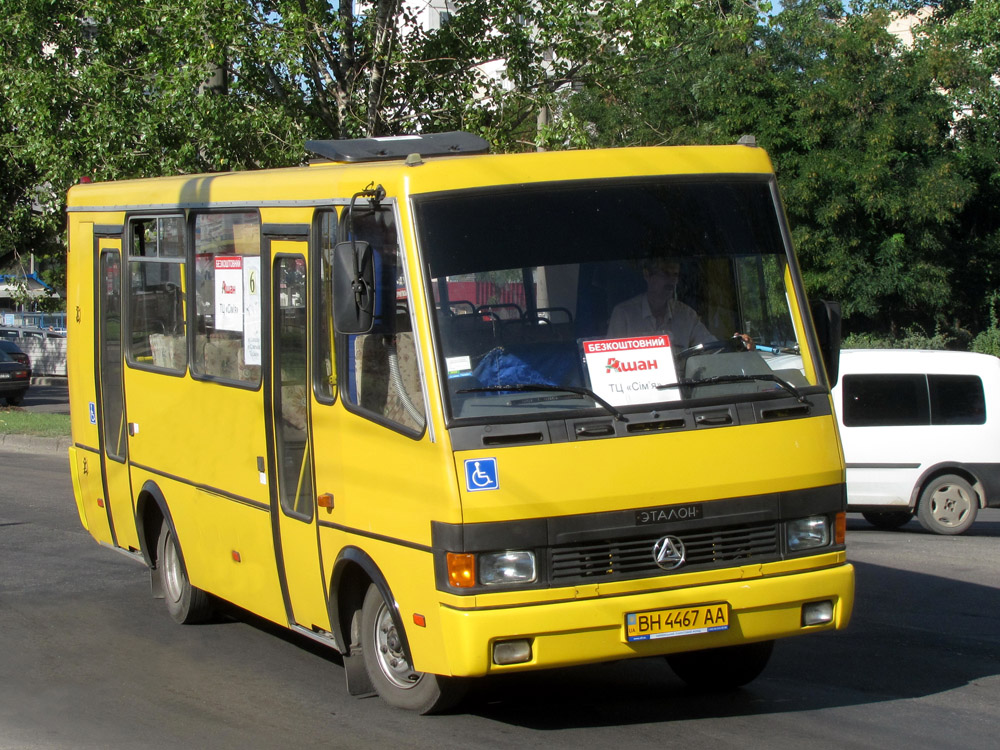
[(895, 648)]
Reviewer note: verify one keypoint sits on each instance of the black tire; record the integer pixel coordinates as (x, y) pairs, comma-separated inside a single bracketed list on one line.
[(390, 671), (948, 505), (725, 668), (187, 604), (15, 399), (889, 520)]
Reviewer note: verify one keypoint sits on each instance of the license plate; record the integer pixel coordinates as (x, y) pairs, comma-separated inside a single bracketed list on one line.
[(4, 376), (670, 623)]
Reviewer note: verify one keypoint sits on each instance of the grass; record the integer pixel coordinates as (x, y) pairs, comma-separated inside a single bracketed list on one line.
[(17, 421)]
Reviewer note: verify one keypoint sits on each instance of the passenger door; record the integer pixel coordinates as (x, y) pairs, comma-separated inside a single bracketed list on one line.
[(293, 498), (111, 397)]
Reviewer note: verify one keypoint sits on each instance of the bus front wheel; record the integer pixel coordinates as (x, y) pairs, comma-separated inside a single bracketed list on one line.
[(185, 603), (391, 672), (725, 668)]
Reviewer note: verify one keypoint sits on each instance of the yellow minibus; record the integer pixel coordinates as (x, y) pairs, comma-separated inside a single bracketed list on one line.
[(456, 414)]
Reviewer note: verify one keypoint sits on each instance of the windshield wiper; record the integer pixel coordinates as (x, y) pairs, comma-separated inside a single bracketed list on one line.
[(523, 387), (722, 379)]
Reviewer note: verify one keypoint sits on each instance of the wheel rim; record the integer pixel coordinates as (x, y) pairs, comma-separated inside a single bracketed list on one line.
[(389, 651), (950, 505), (173, 578)]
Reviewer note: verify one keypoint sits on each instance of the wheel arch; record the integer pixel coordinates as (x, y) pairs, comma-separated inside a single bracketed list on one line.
[(941, 469), (151, 512), (353, 571)]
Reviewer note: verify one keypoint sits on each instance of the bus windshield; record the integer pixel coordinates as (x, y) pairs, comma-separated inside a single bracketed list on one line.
[(614, 295)]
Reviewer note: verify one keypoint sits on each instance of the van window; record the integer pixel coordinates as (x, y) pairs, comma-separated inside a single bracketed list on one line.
[(913, 399), (957, 399), (885, 400)]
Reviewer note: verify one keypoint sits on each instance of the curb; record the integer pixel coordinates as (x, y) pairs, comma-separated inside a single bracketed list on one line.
[(34, 444)]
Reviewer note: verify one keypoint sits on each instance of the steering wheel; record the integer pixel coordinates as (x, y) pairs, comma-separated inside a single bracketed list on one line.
[(734, 344)]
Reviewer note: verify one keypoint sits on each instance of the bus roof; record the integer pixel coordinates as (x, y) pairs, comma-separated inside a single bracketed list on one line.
[(323, 182)]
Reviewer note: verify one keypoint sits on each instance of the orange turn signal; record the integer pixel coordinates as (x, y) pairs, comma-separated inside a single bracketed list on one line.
[(461, 570), (840, 528)]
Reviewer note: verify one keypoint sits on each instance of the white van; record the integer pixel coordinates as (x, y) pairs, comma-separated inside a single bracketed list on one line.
[(921, 435)]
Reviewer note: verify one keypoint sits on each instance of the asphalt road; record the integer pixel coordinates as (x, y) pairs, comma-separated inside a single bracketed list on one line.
[(89, 660)]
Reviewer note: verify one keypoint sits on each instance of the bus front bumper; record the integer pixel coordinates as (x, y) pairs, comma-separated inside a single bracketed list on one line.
[(580, 631)]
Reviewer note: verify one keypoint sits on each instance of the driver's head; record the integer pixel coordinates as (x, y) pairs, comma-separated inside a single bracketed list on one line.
[(661, 275)]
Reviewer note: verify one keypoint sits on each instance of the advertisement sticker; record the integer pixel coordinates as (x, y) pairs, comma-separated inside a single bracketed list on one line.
[(628, 370)]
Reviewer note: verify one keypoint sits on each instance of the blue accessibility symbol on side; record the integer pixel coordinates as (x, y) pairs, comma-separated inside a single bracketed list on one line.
[(481, 474)]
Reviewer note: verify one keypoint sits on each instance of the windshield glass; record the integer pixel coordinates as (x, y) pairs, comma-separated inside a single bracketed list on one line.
[(609, 294)]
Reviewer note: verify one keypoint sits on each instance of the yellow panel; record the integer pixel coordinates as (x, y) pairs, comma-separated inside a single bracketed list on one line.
[(650, 470), (592, 630)]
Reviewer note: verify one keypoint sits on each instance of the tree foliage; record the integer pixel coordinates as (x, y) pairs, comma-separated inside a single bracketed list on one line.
[(886, 189)]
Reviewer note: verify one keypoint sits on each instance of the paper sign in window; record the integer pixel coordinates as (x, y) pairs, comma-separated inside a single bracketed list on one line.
[(628, 370)]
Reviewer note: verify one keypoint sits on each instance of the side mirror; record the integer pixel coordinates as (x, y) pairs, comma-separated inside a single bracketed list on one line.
[(353, 287), (826, 317)]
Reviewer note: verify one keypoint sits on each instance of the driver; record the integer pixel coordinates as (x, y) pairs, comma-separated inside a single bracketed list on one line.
[(657, 311)]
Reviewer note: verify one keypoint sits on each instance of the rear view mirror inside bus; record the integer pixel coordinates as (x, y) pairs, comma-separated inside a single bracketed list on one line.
[(353, 287)]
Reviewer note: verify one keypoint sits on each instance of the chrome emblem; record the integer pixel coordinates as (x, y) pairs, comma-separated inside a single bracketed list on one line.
[(669, 552)]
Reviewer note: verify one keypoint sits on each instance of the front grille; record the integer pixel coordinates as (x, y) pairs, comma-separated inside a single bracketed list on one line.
[(633, 557)]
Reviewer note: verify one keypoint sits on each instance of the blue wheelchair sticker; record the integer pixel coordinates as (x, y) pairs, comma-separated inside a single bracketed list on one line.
[(93, 412), (481, 474)]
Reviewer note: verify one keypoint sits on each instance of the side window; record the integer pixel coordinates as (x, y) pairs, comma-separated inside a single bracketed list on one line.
[(885, 400), (324, 379), (156, 293), (380, 368), (227, 342), (957, 399)]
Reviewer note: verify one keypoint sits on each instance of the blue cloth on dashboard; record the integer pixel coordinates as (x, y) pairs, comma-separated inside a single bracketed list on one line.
[(548, 365)]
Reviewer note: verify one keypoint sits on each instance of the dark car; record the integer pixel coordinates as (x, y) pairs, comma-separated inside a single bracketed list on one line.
[(14, 379), (15, 353)]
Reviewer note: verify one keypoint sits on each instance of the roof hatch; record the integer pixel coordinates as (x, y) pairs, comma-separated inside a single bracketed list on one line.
[(455, 143)]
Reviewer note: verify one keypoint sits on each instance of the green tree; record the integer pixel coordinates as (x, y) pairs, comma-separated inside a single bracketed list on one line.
[(861, 137), (963, 41)]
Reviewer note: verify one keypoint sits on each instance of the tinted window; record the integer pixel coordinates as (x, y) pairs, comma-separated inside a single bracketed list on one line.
[(884, 400), (957, 399)]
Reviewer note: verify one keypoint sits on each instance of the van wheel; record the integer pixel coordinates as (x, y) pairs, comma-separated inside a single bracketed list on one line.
[(391, 673), (185, 603), (888, 520), (719, 669), (948, 505)]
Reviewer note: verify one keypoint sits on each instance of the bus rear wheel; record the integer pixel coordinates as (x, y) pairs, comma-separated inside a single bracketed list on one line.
[(725, 668), (391, 672), (185, 603)]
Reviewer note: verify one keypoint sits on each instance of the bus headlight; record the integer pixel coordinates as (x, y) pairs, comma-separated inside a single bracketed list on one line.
[(506, 567), (808, 533)]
